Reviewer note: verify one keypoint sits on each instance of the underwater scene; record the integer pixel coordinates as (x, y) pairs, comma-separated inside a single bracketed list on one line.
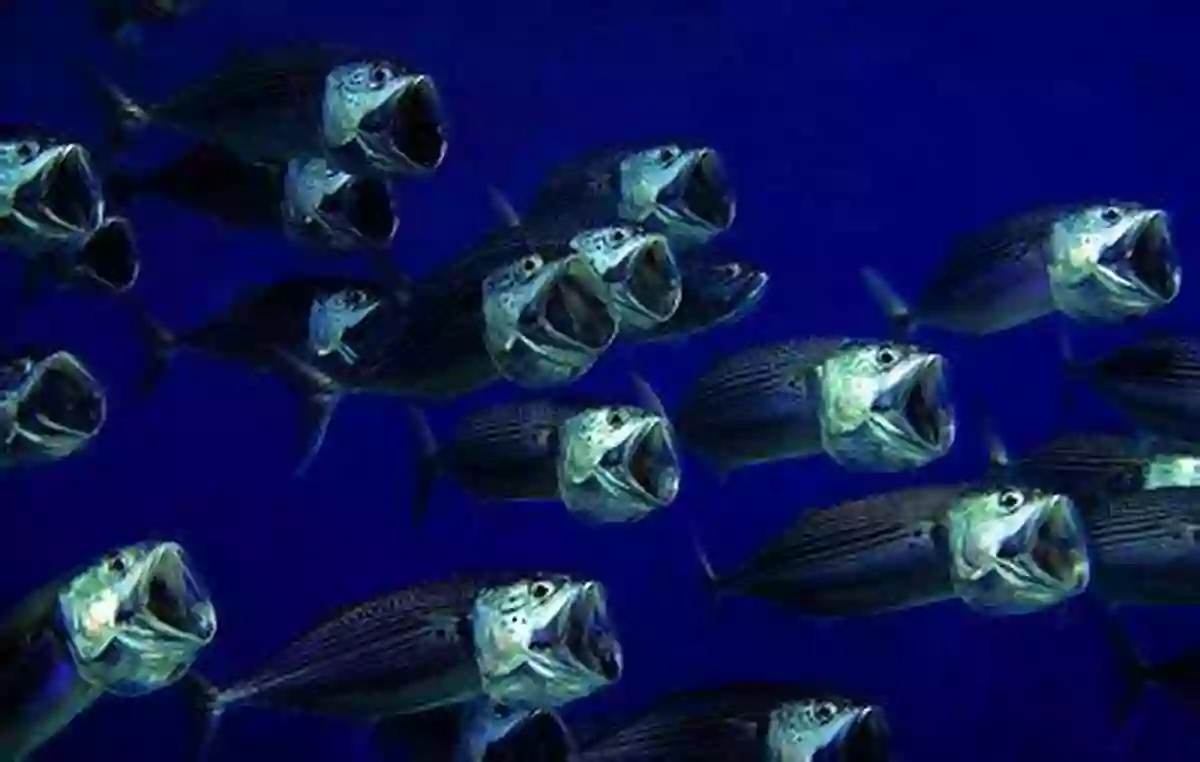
[(651, 381)]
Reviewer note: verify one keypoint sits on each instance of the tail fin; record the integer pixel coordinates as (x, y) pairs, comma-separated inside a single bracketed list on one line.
[(122, 114), (1133, 672), (206, 710), (897, 311), (427, 466)]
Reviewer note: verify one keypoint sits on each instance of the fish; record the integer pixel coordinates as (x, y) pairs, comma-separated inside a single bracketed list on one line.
[(681, 191), (525, 641), (606, 463), (1001, 550), (311, 202), (868, 405), (327, 336), (1143, 546), (736, 721), (365, 114), (716, 291), (129, 623), (1093, 263), (51, 407), (125, 21)]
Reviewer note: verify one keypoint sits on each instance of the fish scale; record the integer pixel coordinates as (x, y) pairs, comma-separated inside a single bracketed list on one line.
[(1144, 548)]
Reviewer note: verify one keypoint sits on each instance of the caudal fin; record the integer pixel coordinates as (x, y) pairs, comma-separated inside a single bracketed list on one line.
[(427, 465), (893, 305), (1132, 671), (206, 711)]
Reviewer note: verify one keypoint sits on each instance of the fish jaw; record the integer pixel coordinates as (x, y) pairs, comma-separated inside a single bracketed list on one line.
[(108, 257), (681, 192), (547, 323), (886, 416), (327, 208), (1108, 264), (545, 643), (617, 464), (1017, 551), (644, 282), (50, 407), (135, 621), (52, 200)]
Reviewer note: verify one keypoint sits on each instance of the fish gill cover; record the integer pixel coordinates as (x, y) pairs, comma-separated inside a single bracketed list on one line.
[(620, 381)]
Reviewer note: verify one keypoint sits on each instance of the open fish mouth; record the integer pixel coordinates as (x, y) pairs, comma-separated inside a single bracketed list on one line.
[(64, 403), (416, 124), (653, 464), (705, 193), (1051, 548), (590, 637), (109, 256), (653, 282), (924, 410), (1151, 258), (174, 599), (570, 307), (66, 196), (363, 205), (867, 739)]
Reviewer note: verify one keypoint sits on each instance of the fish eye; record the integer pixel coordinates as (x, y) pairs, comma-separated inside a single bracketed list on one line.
[(1111, 214), (616, 418), (27, 150), (380, 74), (531, 263), (666, 155), (618, 235), (825, 712), (886, 356), (541, 589), (116, 564), (1011, 499)]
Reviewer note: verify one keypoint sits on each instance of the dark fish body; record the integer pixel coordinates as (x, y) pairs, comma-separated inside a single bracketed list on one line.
[(867, 556), (715, 292), (1082, 464), (1155, 383), (1143, 546)]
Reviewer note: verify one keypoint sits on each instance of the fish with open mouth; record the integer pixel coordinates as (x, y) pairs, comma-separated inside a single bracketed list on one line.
[(324, 335), (868, 405), (310, 201), (606, 463), (1000, 549), (365, 114), (716, 291), (524, 641), (51, 406), (128, 624), (678, 190), (738, 721), (1093, 263)]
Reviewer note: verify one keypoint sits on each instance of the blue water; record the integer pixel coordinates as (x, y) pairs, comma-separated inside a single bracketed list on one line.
[(857, 133)]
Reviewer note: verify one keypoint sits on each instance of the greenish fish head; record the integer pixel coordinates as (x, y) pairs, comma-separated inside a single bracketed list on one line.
[(51, 406), (885, 407), (544, 642), (617, 463), (1016, 550), (332, 314), (832, 727), (1108, 263), (384, 120), (326, 208), (546, 323), (50, 196), (643, 278), (1171, 470), (137, 619), (684, 192)]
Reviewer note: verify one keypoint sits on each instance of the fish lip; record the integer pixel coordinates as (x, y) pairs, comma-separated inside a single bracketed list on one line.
[(654, 442), (415, 123), (66, 402), (600, 327), (65, 195), (174, 597), (1149, 256), (1054, 545), (868, 738), (703, 191), (924, 410), (362, 206), (109, 256), (590, 637), (653, 281)]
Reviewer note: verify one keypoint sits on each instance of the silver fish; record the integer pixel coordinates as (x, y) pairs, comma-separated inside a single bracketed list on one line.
[(643, 279), (128, 624), (51, 198), (51, 406), (327, 208), (716, 291)]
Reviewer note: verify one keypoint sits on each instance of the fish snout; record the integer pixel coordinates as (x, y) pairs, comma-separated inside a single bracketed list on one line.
[(590, 636), (61, 409)]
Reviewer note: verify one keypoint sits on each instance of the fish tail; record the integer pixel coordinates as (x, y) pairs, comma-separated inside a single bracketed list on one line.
[(427, 465), (207, 708), (123, 115), (893, 305), (1132, 671)]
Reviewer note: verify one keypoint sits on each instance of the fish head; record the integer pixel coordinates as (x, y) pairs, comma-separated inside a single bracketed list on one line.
[(331, 315), (383, 119), (1112, 262), (885, 406), (643, 278), (547, 321), (828, 728), (1171, 470), (137, 619), (51, 406), (617, 463), (330, 209), (729, 290), (108, 257), (545, 641), (682, 191), (1015, 550), (50, 195)]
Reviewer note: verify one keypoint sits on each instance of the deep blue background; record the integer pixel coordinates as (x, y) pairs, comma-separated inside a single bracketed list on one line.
[(863, 132)]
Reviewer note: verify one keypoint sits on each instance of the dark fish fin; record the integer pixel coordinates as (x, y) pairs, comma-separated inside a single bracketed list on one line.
[(543, 738), (206, 711), (710, 580), (123, 116), (898, 313), (647, 397), (503, 207), (432, 735), (161, 344), (321, 396), (427, 466), (1132, 671)]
